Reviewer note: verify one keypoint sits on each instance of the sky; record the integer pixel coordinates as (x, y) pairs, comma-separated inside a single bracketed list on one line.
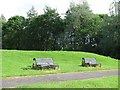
[(11, 8)]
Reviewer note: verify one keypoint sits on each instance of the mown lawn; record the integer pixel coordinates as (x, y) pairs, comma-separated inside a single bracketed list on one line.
[(15, 62), (104, 82)]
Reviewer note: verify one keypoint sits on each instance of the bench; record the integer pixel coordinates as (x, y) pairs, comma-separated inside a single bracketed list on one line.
[(90, 62), (44, 63)]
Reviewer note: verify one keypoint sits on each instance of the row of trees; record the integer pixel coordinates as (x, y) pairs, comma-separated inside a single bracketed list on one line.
[(79, 30)]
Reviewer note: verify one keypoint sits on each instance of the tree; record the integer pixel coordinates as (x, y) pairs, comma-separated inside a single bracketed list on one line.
[(44, 30), (55, 28), (2, 20), (32, 13), (81, 27), (12, 31), (110, 43)]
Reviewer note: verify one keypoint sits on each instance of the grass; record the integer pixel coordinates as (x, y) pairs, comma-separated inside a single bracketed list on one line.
[(104, 82), (14, 62)]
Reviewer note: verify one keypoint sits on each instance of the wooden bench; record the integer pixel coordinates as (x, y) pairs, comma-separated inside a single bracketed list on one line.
[(90, 62), (44, 63)]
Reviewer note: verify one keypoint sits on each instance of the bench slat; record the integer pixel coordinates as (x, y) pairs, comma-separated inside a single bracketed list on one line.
[(90, 61), (45, 62)]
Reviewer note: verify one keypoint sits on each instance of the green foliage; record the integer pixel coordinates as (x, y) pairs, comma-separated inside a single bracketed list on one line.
[(12, 31), (18, 63), (110, 42), (82, 27), (44, 31), (104, 82), (32, 13), (2, 21), (80, 30)]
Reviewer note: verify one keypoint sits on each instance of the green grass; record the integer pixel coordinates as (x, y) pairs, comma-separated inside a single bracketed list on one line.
[(104, 82), (14, 62)]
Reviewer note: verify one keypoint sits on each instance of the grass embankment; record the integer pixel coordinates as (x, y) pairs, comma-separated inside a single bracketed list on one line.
[(104, 82), (15, 62)]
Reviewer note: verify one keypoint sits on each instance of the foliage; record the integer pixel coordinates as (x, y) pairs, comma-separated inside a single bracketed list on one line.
[(79, 30), (110, 42), (82, 28), (12, 31), (2, 20), (32, 13), (44, 31)]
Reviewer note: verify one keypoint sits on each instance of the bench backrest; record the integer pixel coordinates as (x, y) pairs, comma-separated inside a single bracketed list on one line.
[(40, 61), (90, 60)]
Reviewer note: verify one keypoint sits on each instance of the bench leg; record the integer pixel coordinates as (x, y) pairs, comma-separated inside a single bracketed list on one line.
[(57, 67)]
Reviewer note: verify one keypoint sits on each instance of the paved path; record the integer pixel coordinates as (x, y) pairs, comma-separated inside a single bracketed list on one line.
[(13, 82)]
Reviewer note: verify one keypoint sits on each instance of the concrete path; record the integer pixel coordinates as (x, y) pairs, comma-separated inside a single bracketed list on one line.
[(13, 82)]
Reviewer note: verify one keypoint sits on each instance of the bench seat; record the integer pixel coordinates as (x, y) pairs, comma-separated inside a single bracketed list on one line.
[(44, 63)]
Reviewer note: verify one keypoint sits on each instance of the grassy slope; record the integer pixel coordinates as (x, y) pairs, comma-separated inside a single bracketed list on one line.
[(14, 62), (104, 82)]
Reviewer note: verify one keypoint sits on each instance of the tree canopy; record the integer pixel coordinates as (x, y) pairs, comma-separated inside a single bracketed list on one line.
[(79, 30)]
